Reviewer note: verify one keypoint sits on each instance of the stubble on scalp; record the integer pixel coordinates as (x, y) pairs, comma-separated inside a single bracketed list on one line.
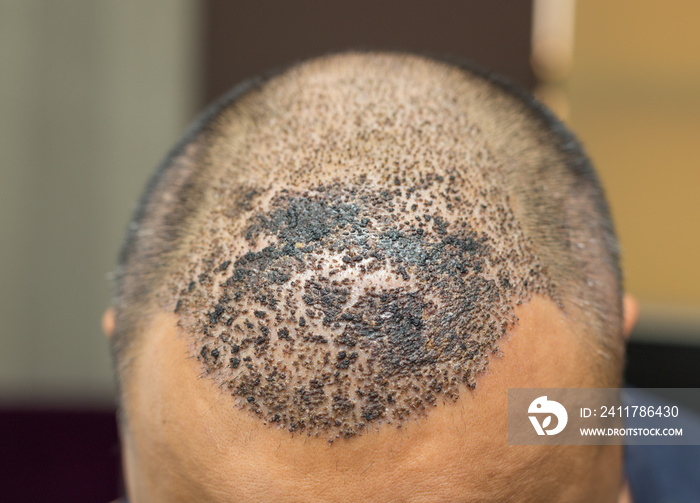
[(357, 256)]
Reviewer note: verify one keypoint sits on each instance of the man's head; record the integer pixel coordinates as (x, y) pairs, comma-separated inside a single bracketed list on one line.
[(333, 280)]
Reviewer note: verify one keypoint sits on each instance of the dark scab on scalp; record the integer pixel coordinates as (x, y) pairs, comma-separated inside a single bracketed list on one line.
[(304, 220), (357, 351)]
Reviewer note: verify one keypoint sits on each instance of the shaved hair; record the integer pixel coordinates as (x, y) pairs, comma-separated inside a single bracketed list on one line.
[(344, 242)]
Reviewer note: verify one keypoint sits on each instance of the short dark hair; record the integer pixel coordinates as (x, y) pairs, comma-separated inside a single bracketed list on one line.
[(345, 241)]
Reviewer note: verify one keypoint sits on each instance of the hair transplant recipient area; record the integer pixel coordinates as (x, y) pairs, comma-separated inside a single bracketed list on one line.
[(344, 243)]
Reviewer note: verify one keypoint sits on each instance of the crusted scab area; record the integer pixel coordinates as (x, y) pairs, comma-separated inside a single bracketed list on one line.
[(351, 304), (357, 256)]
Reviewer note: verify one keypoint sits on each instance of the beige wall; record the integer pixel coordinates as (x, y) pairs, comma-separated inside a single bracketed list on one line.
[(92, 94), (634, 95)]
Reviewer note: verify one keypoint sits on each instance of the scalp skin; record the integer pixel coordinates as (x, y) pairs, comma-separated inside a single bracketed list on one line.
[(356, 256), (344, 243), (341, 250)]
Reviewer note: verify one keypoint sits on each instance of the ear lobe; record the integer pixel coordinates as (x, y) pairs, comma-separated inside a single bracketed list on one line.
[(108, 322), (630, 313)]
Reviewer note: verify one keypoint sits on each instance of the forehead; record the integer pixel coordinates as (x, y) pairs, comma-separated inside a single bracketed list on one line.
[(357, 258), (185, 439)]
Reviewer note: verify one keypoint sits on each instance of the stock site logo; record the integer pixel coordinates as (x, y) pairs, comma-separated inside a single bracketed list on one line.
[(542, 406)]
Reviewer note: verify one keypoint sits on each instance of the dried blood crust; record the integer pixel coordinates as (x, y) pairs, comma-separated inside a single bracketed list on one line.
[(358, 256)]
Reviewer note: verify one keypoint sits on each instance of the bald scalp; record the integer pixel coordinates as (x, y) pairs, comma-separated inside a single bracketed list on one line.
[(345, 243)]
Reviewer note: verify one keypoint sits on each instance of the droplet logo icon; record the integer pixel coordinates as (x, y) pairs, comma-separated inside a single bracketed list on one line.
[(541, 406)]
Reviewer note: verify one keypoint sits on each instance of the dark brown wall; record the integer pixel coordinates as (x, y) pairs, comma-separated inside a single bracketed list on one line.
[(246, 38)]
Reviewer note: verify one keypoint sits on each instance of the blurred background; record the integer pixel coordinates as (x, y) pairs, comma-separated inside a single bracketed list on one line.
[(93, 94)]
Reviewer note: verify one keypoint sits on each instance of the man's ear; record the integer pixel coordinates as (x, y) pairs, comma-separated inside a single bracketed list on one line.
[(630, 313), (108, 323)]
